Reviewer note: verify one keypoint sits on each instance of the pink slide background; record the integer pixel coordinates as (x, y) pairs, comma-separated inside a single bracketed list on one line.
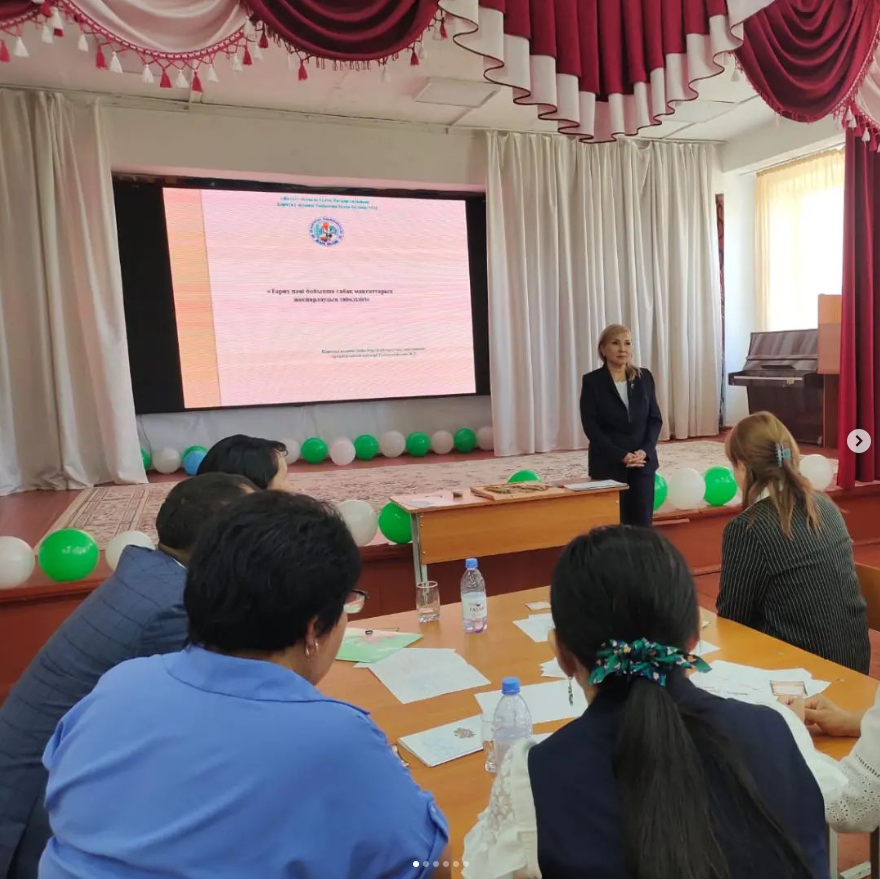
[(273, 348)]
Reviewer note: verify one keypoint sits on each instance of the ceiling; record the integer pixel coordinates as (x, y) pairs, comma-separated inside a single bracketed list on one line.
[(725, 109)]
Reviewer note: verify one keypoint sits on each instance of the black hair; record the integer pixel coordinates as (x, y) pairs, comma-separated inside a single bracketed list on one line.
[(263, 572), (247, 455), (193, 504), (628, 583)]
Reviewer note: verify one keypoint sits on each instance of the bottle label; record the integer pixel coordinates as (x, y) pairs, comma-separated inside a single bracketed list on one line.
[(473, 607)]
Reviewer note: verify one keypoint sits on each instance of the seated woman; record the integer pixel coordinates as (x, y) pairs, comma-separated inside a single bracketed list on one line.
[(856, 808), (657, 778), (224, 760), (787, 564), (263, 461)]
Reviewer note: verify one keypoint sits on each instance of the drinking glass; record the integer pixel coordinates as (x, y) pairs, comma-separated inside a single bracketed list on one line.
[(488, 732), (428, 601)]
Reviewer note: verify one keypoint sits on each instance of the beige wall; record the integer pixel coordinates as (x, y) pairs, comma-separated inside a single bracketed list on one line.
[(264, 145)]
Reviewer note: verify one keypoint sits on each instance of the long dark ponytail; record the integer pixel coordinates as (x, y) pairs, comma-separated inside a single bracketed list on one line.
[(626, 584)]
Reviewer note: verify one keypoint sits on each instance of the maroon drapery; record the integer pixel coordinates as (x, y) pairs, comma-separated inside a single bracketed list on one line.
[(807, 57), (345, 30), (860, 336), (601, 68)]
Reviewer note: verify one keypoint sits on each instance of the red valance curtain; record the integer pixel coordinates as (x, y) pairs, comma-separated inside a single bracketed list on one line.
[(806, 58), (860, 340), (601, 68), (345, 30)]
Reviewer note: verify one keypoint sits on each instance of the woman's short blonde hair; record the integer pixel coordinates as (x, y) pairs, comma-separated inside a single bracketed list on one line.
[(606, 336)]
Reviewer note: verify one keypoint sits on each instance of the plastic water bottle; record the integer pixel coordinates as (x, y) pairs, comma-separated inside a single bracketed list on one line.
[(474, 610), (512, 720)]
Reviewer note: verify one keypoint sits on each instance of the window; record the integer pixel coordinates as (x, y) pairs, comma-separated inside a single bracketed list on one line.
[(799, 239)]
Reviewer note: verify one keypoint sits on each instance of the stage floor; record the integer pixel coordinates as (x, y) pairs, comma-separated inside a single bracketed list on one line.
[(109, 510)]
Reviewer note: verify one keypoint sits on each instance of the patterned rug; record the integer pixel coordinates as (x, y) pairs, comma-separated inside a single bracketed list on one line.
[(107, 511)]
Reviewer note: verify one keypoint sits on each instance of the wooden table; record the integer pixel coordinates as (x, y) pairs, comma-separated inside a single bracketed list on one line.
[(454, 528), (462, 787)]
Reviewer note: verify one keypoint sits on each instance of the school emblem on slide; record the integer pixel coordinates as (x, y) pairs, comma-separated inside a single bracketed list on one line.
[(326, 231)]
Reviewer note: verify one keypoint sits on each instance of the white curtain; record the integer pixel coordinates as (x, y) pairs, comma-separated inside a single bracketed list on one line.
[(581, 236), (66, 410), (798, 240)]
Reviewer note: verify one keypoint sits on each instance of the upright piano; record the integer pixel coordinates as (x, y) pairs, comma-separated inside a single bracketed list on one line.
[(782, 376)]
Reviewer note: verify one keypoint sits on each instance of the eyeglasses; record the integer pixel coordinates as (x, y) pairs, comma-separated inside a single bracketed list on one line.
[(356, 600)]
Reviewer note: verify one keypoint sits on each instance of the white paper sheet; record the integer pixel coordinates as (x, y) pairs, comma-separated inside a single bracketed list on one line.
[(546, 701), (538, 605), (536, 626), (551, 669), (594, 485), (424, 672), (448, 742), (704, 647), (748, 684)]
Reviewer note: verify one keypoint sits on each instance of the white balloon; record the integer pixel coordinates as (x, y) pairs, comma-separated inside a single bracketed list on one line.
[(818, 470), (442, 442), (17, 562), (166, 460), (686, 489), (362, 520), (486, 439), (342, 452), (118, 543), (392, 444), (292, 451)]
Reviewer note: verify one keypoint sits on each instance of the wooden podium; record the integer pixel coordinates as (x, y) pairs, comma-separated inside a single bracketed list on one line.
[(829, 365)]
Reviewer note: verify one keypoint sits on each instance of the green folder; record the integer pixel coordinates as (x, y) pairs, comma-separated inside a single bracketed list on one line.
[(368, 645)]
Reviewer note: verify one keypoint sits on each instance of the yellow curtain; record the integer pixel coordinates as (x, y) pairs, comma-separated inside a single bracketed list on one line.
[(798, 239)]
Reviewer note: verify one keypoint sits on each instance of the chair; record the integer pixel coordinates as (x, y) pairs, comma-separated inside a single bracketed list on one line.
[(869, 584)]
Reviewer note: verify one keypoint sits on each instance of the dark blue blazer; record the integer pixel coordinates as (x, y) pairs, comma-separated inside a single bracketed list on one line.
[(138, 611), (579, 815), (612, 431)]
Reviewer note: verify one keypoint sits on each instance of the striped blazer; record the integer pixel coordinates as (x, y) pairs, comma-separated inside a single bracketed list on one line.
[(802, 590), (138, 611)]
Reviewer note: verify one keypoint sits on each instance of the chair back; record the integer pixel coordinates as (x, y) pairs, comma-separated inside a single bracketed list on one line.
[(869, 584)]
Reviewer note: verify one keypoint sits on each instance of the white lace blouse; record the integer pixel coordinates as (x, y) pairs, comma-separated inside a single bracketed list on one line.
[(504, 842), (856, 808)]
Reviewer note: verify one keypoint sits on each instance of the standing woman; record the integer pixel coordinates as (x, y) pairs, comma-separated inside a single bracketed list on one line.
[(622, 421), (787, 565)]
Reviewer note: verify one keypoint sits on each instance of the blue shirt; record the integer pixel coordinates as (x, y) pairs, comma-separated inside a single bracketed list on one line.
[(137, 611), (196, 765)]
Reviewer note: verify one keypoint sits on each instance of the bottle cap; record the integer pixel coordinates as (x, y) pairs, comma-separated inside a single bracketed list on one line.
[(470, 564), (510, 686)]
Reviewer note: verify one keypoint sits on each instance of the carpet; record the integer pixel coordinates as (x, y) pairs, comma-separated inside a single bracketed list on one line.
[(109, 510)]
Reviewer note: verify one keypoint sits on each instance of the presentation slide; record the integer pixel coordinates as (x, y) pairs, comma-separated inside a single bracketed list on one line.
[(294, 298)]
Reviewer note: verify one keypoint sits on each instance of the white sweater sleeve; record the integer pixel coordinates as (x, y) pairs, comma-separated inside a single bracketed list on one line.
[(856, 809), (503, 844)]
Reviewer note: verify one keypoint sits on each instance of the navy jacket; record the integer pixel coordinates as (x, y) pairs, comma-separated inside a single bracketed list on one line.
[(138, 611), (579, 816), (612, 431)]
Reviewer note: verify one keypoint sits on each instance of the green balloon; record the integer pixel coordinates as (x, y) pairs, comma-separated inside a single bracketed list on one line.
[(418, 444), (465, 440), (525, 476), (192, 449), (366, 447), (661, 489), (147, 458), (395, 523), (68, 554), (314, 450), (720, 486)]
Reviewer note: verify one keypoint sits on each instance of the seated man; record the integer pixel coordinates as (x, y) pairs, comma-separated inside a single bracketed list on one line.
[(226, 760), (137, 611), (262, 461)]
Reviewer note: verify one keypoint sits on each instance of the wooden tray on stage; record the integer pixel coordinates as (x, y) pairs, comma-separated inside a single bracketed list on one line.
[(514, 490)]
